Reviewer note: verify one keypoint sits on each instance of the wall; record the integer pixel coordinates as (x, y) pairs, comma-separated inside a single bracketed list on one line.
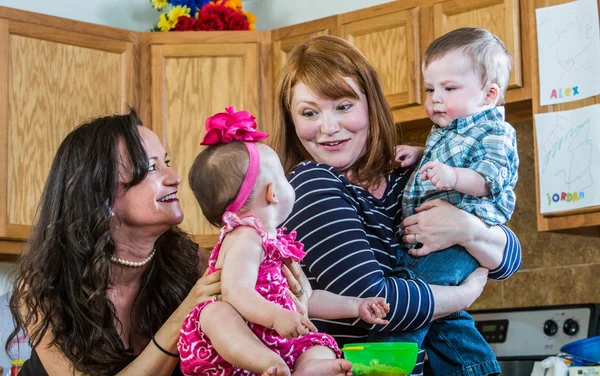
[(139, 15)]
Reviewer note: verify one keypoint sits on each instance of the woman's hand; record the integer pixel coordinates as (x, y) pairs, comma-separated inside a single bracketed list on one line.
[(437, 225), (208, 287), (299, 286)]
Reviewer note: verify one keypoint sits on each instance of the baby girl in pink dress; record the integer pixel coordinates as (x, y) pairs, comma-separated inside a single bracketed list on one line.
[(241, 187)]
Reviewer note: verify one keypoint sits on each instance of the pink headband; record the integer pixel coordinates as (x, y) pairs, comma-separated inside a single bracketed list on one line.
[(229, 126)]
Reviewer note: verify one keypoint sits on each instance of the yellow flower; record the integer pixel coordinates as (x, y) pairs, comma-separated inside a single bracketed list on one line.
[(159, 4), (175, 13), (178, 11), (234, 4), (163, 23), (250, 17)]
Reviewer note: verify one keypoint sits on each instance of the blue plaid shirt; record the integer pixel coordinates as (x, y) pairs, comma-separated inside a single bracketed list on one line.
[(483, 142)]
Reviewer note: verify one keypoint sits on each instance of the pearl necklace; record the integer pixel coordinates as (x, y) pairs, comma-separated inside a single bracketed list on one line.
[(133, 264)]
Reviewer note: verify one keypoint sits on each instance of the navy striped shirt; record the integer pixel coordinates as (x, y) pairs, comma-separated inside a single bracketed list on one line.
[(350, 243)]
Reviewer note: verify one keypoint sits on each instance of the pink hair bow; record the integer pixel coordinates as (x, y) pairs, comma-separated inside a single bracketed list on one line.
[(229, 126)]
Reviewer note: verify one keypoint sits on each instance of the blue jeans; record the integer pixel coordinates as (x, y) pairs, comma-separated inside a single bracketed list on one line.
[(453, 344)]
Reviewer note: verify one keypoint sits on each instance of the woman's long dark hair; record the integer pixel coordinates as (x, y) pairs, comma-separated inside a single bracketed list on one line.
[(63, 274)]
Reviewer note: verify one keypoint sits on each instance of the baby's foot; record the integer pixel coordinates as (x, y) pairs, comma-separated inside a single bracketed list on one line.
[(325, 367), (277, 370)]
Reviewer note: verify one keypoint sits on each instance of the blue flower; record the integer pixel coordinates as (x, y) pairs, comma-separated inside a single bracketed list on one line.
[(194, 5)]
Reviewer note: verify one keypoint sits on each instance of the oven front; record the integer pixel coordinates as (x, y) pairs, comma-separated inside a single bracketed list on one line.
[(522, 336)]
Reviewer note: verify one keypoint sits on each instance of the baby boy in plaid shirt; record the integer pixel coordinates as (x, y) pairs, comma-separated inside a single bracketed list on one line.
[(470, 160)]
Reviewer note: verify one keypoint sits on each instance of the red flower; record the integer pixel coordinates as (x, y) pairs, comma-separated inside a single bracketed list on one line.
[(185, 24), (209, 22), (219, 10), (236, 21), (220, 17)]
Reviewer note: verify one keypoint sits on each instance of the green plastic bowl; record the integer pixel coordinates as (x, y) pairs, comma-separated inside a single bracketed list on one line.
[(381, 358)]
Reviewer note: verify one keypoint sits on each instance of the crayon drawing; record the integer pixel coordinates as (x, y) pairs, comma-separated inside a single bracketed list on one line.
[(568, 49), (568, 144)]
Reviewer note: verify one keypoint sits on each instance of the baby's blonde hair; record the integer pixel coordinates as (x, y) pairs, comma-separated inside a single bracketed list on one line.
[(491, 59)]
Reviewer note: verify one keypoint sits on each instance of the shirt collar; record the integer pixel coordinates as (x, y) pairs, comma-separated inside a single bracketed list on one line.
[(465, 123)]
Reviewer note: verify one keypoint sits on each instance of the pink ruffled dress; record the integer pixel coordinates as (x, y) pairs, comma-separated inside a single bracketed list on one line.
[(199, 357)]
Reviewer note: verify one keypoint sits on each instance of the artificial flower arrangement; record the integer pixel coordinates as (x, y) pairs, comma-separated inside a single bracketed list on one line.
[(190, 15)]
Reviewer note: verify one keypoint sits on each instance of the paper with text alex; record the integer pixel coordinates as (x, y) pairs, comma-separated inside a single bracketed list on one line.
[(568, 51), (568, 145)]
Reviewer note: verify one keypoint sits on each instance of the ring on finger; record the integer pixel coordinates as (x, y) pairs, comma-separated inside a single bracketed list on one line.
[(214, 298), (301, 292), (415, 238)]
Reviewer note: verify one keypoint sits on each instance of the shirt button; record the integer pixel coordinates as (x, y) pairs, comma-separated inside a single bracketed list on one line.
[(503, 172)]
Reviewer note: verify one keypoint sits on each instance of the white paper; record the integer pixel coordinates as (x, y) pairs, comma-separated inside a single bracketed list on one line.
[(568, 51), (568, 144)]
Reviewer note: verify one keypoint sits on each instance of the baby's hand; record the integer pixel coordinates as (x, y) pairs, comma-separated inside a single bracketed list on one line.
[(373, 310), (291, 324), (443, 177), (409, 155)]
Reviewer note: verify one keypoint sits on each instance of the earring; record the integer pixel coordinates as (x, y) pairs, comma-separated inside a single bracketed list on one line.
[(112, 215)]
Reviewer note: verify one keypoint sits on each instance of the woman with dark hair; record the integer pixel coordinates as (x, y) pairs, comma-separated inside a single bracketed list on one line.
[(107, 278), (336, 138)]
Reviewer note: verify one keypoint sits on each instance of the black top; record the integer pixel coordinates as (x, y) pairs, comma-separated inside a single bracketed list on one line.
[(34, 367)]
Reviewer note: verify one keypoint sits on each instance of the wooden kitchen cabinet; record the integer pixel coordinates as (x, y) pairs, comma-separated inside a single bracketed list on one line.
[(192, 77), (582, 218), (389, 37), (285, 39), (508, 19), (52, 77), (395, 35), (501, 17)]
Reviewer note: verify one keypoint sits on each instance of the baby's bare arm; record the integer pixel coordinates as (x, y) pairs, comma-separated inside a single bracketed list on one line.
[(471, 182), (242, 253), (327, 305), (463, 180)]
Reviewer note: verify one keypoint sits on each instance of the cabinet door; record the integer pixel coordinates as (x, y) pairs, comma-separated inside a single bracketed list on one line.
[(389, 38), (500, 17), (285, 39), (191, 82), (50, 81)]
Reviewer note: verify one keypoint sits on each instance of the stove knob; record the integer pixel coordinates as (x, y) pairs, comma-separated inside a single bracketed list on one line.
[(550, 327), (570, 327)]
